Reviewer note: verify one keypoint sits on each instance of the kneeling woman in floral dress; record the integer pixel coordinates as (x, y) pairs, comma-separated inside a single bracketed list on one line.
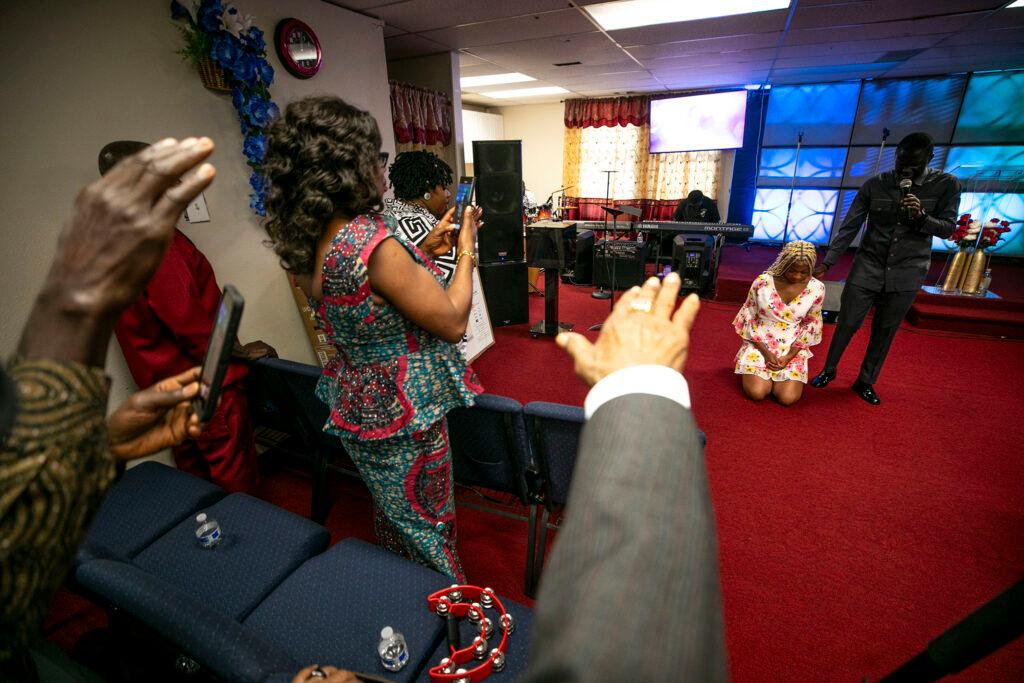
[(779, 323), (385, 310)]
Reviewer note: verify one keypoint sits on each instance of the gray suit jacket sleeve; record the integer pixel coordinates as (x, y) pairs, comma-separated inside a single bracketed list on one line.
[(631, 591)]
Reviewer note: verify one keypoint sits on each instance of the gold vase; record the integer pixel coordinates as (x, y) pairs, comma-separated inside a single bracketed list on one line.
[(956, 271), (975, 272)]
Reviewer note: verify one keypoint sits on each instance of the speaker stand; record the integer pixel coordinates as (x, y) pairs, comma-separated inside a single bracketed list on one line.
[(550, 326)]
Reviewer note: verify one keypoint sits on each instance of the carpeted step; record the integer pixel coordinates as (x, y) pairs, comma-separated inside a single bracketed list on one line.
[(990, 317)]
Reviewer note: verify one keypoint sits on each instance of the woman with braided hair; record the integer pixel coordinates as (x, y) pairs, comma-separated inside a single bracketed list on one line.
[(779, 322), (385, 310), (420, 180)]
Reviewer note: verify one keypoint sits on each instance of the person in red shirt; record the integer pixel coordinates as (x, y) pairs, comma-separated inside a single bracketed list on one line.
[(165, 332)]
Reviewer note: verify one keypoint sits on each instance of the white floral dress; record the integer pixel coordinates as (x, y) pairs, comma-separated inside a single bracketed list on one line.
[(780, 326)]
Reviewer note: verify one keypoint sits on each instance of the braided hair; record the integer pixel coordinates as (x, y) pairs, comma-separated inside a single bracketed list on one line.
[(322, 159), (416, 173), (793, 253)]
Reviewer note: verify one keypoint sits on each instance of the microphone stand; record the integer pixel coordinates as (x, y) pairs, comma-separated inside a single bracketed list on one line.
[(600, 292), (792, 186)]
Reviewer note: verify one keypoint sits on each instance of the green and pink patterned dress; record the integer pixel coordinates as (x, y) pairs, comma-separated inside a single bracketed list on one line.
[(389, 389)]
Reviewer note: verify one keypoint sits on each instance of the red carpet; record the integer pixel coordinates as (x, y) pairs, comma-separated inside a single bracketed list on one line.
[(849, 535)]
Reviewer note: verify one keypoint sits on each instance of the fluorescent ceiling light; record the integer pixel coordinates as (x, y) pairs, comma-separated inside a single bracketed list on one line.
[(526, 92), (1019, 3), (632, 13), (494, 79)]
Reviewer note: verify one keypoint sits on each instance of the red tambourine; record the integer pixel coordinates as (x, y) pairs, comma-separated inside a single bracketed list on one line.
[(470, 602)]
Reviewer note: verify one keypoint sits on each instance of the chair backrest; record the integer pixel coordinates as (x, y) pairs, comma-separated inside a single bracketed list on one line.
[(292, 387), (490, 446), (556, 438)]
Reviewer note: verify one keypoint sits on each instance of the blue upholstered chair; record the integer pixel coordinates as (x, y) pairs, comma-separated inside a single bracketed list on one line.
[(490, 448), (261, 545), (292, 387), (331, 609), (149, 500), (555, 429)]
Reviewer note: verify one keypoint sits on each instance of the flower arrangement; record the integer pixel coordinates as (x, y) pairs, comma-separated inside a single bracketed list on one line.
[(219, 32), (963, 226), (993, 232)]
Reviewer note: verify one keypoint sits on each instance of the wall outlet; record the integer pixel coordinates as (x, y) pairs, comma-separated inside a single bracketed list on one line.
[(197, 212)]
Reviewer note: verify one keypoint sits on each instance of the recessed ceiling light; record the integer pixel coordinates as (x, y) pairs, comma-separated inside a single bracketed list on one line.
[(494, 79), (632, 13), (526, 92)]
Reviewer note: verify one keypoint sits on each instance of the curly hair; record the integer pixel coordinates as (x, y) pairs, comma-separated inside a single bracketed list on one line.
[(322, 159), (415, 173), (795, 252)]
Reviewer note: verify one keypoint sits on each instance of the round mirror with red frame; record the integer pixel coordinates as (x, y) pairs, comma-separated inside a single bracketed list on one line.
[(298, 48)]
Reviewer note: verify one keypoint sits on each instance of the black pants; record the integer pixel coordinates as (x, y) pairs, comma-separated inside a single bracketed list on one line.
[(890, 309)]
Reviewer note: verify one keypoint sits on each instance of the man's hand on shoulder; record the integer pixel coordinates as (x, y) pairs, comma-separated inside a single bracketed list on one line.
[(641, 330)]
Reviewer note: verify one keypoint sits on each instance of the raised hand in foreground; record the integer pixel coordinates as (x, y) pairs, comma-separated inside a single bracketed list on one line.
[(641, 330), (155, 418)]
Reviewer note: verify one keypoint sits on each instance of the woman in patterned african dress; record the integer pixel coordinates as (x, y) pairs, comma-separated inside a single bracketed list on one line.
[(779, 323), (397, 371)]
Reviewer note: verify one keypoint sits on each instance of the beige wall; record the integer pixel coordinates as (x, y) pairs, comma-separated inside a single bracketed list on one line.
[(541, 128), (81, 75)]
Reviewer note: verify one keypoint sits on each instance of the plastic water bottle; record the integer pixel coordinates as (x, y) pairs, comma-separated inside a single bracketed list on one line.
[(393, 653), (207, 531)]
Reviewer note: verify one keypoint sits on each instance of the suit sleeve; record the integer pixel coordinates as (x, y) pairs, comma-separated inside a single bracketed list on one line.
[(636, 559), (843, 237), (942, 221)]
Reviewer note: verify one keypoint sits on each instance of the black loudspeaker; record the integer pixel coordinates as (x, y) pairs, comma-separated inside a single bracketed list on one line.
[(552, 247), (498, 165), (505, 289), (582, 260), (692, 258), (833, 299), (619, 260)]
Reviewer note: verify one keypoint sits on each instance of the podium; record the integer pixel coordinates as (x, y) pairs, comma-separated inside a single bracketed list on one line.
[(546, 248)]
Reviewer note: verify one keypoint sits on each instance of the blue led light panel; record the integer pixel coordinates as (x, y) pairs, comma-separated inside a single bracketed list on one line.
[(986, 205), (810, 217), (908, 105), (860, 163), (992, 110), (824, 112), (821, 166)]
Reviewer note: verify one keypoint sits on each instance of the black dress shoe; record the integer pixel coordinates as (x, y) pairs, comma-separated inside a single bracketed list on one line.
[(821, 380), (866, 392)]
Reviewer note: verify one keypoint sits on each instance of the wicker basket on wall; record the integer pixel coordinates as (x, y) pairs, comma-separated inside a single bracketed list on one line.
[(212, 76)]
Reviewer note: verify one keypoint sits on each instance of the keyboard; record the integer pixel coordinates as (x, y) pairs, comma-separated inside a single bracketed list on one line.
[(727, 229)]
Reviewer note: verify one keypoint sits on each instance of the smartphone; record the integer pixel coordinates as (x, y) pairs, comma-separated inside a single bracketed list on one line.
[(218, 352), (463, 198)]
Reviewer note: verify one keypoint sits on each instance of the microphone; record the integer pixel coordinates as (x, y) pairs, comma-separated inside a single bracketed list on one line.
[(905, 186)]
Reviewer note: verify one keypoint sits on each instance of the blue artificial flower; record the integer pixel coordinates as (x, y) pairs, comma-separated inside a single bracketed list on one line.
[(253, 39), (226, 51), (244, 69), (266, 72), (237, 98), (257, 110), (272, 111), (209, 15), (178, 11), (256, 204), (258, 182), (255, 147)]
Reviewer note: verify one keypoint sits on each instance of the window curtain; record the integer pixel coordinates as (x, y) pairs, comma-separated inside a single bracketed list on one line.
[(614, 134), (422, 119)]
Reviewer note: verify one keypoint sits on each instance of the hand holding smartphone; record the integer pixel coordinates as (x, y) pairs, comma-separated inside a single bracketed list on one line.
[(463, 198), (218, 353)]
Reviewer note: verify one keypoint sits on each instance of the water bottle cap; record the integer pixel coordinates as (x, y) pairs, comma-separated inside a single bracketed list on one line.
[(386, 632), (201, 517)]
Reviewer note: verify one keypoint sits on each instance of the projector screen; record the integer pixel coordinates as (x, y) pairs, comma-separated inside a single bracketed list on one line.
[(696, 122)]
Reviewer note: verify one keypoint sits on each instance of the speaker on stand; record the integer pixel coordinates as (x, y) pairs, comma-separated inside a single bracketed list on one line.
[(498, 165)]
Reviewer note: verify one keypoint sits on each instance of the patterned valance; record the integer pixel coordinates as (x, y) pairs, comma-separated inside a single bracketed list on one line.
[(420, 116), (612, 111)]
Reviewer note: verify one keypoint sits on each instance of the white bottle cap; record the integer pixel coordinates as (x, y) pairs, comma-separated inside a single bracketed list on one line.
[(387, 632), (201, 517)]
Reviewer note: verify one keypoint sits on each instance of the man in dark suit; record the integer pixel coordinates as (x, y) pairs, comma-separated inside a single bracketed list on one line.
[(631, 592), (905, 208)]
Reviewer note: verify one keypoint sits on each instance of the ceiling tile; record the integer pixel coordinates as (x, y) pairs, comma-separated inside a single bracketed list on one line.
[(357, 5), (712, 59), (391, 31), (894, 30), (872, 11), (590, 48), (760, 22), (1006, 36), (468, 60), (411, 45), (427, 15), (751, 41), (852, 47), (547, 25)]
